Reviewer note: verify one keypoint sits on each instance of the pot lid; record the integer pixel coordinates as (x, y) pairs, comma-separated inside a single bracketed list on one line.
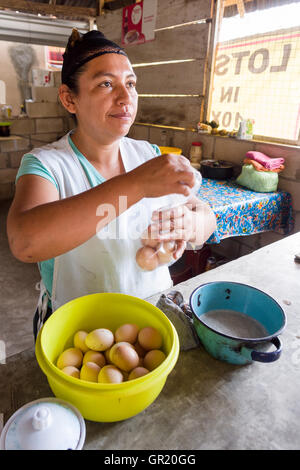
[(45, 424)]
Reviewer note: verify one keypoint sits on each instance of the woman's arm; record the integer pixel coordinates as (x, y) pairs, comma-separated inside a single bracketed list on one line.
[(40, 226)]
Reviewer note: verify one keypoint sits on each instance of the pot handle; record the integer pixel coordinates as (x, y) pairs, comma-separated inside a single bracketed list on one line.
[(259, 356)]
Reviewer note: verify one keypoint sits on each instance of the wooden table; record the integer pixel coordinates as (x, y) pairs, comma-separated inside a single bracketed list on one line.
[(205, 403)]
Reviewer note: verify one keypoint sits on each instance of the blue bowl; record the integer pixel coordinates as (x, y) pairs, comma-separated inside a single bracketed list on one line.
[(249, 307)]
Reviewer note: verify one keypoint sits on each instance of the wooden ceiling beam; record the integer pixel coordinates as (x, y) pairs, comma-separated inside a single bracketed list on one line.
[(27, 6), (228, 3)]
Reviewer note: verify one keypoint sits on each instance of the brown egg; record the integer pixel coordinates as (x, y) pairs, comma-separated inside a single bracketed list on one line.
[(107, 355), (146, 258), (70, 357), (94, 356), (124, 356), (164, 256), (127, 332), (90, 371), (150, 338), (99, 339), (153, 359), (151, 243), (169, 246), (138, 372), (72, 371), (141, 351), (79, 341), (120, 343), (148, 240), (110, 375)]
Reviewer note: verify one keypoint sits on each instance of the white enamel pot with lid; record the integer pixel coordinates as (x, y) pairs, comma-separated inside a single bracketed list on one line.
[(44, 424)]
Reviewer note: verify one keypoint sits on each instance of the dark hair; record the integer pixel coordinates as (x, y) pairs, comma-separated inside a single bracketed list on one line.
[(80, 50), (73, 80)]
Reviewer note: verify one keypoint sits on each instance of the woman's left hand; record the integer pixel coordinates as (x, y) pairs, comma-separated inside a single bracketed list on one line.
[(191, 222), (173, 224)]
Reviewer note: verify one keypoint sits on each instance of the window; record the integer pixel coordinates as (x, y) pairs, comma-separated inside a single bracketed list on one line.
[(257, 71)]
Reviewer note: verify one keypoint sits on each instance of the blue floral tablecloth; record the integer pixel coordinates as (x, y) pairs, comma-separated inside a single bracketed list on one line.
[(240, 211)]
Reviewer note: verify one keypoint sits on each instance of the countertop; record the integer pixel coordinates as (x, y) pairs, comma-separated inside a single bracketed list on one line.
[(205, 403)]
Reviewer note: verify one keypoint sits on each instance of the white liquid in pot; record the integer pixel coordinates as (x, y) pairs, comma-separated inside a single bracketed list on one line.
[(232, 323)]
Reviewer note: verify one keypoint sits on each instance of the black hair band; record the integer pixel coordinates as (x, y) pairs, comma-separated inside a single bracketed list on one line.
[(76, 65)]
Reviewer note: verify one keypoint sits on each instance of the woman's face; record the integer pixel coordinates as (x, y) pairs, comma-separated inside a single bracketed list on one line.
[(106, 104)]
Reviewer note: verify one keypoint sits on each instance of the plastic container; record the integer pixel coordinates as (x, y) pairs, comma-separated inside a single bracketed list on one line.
[(154, 253), (98, 401), (42, 77), (245, 130), (249, 129), (175, 150), (45, 424), (5, 111), (196, 152)]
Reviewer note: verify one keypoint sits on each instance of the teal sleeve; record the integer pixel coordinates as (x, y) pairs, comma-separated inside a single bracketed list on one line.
[(156, 148), (30, 165)]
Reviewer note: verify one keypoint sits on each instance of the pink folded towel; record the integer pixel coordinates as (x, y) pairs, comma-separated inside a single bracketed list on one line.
[(264, 160)]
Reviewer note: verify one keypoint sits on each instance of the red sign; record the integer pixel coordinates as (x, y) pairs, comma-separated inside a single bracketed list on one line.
[(139, 22)]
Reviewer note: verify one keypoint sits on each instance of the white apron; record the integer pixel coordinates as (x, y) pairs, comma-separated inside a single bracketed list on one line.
[(105, 262)]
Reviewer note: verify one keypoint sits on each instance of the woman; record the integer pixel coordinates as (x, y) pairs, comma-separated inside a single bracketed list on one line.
[(77, 199)]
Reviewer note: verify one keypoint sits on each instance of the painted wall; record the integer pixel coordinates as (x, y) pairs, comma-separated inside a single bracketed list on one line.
[(9, 75)]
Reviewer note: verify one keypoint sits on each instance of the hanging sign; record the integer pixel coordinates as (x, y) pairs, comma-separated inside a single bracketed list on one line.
[(258, 78), (139, 22)]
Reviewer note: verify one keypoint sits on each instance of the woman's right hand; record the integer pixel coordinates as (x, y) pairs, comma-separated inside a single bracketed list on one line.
[(166, 174)]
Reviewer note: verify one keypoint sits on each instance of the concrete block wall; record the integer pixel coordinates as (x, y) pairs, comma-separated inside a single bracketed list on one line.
[(46, 121), (234, 150)]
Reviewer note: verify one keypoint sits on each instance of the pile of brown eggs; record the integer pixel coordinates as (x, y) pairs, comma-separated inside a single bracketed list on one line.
[(154, 253), (106, 357)]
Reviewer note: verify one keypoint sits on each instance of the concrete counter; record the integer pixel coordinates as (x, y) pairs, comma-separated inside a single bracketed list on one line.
[(206, 403)]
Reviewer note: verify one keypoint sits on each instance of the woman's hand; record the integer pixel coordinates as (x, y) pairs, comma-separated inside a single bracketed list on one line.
[(192, 222), (177, 223), (167, 174), (180, 248)]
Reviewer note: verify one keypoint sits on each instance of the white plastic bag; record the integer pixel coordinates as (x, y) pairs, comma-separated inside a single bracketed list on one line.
[(153, 252)]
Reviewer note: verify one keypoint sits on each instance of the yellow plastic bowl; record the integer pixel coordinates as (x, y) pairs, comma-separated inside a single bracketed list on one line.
[(175, 150), (96, 401)]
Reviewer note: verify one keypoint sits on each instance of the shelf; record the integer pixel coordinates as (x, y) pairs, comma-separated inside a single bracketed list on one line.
[(11, 137)]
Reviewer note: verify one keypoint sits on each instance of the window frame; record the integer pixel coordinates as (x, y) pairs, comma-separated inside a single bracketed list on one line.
[(219, 11)]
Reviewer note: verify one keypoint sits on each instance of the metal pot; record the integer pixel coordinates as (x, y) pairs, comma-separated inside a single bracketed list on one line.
[(5, 129), (216, 169), (237, 307)]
